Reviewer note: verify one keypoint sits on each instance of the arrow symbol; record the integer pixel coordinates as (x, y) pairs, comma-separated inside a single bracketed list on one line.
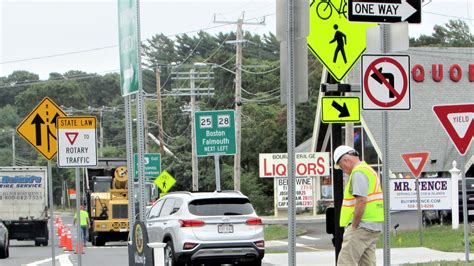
[(37, 121), (343, 112), (389, 76)]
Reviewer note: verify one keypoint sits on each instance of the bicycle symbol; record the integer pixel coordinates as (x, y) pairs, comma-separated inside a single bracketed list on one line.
[(324, 9)]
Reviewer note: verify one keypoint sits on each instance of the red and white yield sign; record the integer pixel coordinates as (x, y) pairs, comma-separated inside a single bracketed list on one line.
[(385, 82), (457, 122), (416, 161)]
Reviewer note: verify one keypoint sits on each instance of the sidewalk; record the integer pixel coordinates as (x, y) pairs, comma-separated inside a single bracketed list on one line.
[(398, 256)]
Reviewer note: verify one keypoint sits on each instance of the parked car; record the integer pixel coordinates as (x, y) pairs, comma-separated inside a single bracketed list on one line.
[(203, 227), (4, 242)]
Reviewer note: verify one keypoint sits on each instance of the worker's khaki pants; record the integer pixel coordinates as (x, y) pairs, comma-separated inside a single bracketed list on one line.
[(358, 247)]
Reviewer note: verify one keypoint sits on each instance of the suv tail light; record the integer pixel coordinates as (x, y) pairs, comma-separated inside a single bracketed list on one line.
[(260, 244), (191, 223), (254, 221)]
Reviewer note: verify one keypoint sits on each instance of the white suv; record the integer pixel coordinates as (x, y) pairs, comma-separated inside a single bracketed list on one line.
[(202, 227)]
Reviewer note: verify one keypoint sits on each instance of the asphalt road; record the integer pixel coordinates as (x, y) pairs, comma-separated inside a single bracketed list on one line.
[(116, 254)]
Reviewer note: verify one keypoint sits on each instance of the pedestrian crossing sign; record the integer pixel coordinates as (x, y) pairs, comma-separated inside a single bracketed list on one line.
[(164, 181), (335, 41)]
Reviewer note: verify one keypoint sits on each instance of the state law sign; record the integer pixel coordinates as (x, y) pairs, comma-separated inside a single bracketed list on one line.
[(77, 145)]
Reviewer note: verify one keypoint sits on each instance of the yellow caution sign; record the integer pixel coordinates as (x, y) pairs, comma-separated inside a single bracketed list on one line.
[(164, 181), (340, 109), (40, 126), (335, 41)]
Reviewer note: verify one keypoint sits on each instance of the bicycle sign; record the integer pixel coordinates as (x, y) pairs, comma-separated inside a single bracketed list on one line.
[(324, 9), (336, 42)]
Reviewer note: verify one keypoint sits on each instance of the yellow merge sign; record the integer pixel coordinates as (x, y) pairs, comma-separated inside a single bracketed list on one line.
[(164, 181), (335, 41), (39, 127), (340, 109)]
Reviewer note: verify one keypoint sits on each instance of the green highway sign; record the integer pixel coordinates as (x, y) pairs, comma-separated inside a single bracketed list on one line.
[(152, 165), (215, 133), (128, 43)]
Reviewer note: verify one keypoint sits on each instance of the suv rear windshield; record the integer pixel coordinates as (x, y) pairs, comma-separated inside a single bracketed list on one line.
[(220, 206)]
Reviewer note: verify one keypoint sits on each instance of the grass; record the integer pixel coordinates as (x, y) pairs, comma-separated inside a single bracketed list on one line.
[(276, 232), (437, 237)]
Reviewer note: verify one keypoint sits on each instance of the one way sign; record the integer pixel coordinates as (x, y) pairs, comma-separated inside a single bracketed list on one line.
[(385, 11)]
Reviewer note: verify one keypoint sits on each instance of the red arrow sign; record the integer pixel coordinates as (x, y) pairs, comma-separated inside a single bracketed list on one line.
[(416, 161), (457, 122)]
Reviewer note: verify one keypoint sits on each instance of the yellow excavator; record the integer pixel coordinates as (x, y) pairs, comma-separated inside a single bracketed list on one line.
[(107, 204)]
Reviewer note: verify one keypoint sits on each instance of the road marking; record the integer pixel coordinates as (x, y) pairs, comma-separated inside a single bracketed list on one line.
[(310, 238), (286, 244), (63, 261)]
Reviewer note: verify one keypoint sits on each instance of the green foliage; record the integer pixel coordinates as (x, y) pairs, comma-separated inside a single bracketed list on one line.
[(455, 33)]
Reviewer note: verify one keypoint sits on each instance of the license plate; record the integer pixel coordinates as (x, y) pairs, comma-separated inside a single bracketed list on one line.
[(225, 228), (470, 212)]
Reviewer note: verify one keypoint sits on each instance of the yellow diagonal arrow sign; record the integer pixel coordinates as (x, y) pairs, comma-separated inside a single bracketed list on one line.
[(340, 110)]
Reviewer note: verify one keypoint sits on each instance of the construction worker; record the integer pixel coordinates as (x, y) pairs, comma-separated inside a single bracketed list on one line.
[(362, 211), (85, 223)]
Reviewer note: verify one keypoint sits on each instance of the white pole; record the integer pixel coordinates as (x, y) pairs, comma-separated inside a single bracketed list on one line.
[(455, 195)]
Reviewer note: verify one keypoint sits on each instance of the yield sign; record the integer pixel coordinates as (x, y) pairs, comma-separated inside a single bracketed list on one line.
[(71, 136), (457, 122), (416, 161)]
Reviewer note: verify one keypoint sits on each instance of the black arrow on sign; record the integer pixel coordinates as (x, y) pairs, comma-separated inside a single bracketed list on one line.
[(37, 121), (343, 112), (391, 80)]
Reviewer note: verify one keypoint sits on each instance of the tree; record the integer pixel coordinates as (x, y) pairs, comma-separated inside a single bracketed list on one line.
[(455, 33)]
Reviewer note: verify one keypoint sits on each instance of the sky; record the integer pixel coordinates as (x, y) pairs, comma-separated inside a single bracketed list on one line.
[(58, 36)]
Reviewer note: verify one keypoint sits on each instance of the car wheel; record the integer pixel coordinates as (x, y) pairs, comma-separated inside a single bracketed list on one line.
[(170, 256)]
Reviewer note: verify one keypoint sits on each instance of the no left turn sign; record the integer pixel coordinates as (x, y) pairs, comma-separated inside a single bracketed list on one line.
[(385, 82)]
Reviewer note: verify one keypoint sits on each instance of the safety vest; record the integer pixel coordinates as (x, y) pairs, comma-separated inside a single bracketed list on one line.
[(83, 217), (374, 211)]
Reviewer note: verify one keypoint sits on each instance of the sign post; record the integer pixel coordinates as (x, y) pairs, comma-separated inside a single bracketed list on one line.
[(456, 120), (215, 136), (416, 162)]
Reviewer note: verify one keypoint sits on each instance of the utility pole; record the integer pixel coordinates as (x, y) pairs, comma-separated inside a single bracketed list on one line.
[(13, 148), (194, 161), (101, 130), (192, 75), (238, 90), (158, 108)]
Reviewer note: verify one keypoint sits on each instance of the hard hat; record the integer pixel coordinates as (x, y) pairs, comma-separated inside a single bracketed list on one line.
[(339, 152)]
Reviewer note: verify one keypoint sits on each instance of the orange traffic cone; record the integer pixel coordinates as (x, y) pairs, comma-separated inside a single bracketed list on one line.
[(82, 248), (68, 241), (62, 241)]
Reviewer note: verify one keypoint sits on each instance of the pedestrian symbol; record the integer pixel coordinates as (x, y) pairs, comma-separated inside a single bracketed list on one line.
[(335, 41), (164, 181), (341, 40)]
